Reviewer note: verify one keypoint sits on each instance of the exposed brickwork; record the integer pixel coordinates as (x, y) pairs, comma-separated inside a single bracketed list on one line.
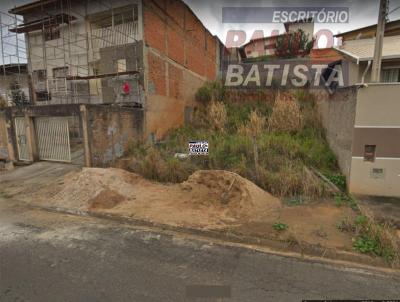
[(175, 33), (176, 9), (195, 59), (157, 82), (175, 81), (154, 30), (181, 55), (176, 48)]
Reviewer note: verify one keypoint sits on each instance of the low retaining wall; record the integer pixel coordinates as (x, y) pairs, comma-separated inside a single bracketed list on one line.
[(337, 113), (110, 131)]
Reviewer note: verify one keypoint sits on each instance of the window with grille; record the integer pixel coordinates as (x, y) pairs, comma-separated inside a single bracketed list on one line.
[(390, 75), (121, 15), (51, 33), (369, 152)]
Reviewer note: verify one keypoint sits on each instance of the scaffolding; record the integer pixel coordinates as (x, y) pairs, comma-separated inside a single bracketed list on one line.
[(85, 51), (13, 57)]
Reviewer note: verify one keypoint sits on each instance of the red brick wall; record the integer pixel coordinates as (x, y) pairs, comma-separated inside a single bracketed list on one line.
[(175, 33), (156, 75), (175, 81)]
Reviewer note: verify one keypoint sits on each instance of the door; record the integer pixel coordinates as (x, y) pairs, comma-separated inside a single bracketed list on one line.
[(53, 138), (22, 145)]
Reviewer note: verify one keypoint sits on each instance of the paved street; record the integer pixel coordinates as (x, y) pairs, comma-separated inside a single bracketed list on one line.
[(52, 257)]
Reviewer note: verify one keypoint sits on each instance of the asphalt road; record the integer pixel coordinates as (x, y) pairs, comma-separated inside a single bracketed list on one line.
[(53, 257)]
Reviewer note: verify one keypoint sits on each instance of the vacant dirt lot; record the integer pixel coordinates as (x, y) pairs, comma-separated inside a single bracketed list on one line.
[(208, 200)]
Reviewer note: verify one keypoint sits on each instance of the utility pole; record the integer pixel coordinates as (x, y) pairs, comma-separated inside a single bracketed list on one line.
[(380, 30)]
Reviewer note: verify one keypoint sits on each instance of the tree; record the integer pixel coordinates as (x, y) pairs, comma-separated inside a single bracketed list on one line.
[(17, 95), (293, 44)]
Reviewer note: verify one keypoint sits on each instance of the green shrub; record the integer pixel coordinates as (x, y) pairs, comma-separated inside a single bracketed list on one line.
[(339, 180), (203, 95), (280, 226), (217, 91), (376, 239), (210, 91), (365, 244), (344, 199), (361, 220)]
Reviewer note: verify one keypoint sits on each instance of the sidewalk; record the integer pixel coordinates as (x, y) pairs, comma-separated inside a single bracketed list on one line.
[(383, 209)]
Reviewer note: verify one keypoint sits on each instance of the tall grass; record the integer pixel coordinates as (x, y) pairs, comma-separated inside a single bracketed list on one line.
[(241, 141)]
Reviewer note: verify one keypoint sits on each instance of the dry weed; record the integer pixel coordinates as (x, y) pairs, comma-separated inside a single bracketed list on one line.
[(286, 116), (388, 244), (312, 185), (253, 129), (217, 115)]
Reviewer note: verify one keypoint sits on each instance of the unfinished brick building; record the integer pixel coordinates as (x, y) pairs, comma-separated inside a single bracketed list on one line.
[(103, 73), (152, 54)]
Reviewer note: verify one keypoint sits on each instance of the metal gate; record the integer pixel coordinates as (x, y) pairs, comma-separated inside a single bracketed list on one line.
[(20, 131), (53, 138)]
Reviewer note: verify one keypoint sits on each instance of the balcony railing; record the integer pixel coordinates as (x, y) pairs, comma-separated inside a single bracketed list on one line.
[(118, 35)]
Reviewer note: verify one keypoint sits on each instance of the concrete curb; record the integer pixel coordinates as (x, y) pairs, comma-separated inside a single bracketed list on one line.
[(305, 251)]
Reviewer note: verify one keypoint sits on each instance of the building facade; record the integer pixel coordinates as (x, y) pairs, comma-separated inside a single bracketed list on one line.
[(151, 54)]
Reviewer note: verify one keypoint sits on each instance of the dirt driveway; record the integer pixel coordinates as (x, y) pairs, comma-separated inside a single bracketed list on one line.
[(25, 180)]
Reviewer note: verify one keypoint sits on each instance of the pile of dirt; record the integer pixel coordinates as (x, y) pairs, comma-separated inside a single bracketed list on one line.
[(80, 190), (209, 198), (228, 190), (107, 199)]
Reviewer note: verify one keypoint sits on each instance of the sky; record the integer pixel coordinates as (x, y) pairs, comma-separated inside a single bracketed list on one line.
[(361, 13)]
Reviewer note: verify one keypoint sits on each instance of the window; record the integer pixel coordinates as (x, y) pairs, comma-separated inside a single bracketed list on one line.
[(121, 65), (369, 152), (390, 75), (40, 75), (122, 15), (51, 33), (59, 83), (42, 96), (60, 72)]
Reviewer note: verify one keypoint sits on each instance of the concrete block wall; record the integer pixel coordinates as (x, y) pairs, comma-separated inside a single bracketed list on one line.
[(338, 114), (180, 55), (110, 129)]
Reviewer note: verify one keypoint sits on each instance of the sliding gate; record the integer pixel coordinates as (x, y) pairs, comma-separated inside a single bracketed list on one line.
[(53, 138)]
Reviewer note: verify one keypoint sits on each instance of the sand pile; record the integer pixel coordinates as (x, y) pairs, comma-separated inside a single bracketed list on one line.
[(227, 190), (209, 198), (81, 189)]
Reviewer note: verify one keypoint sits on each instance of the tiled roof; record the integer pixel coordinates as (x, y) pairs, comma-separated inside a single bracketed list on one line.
[(363, 49)]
